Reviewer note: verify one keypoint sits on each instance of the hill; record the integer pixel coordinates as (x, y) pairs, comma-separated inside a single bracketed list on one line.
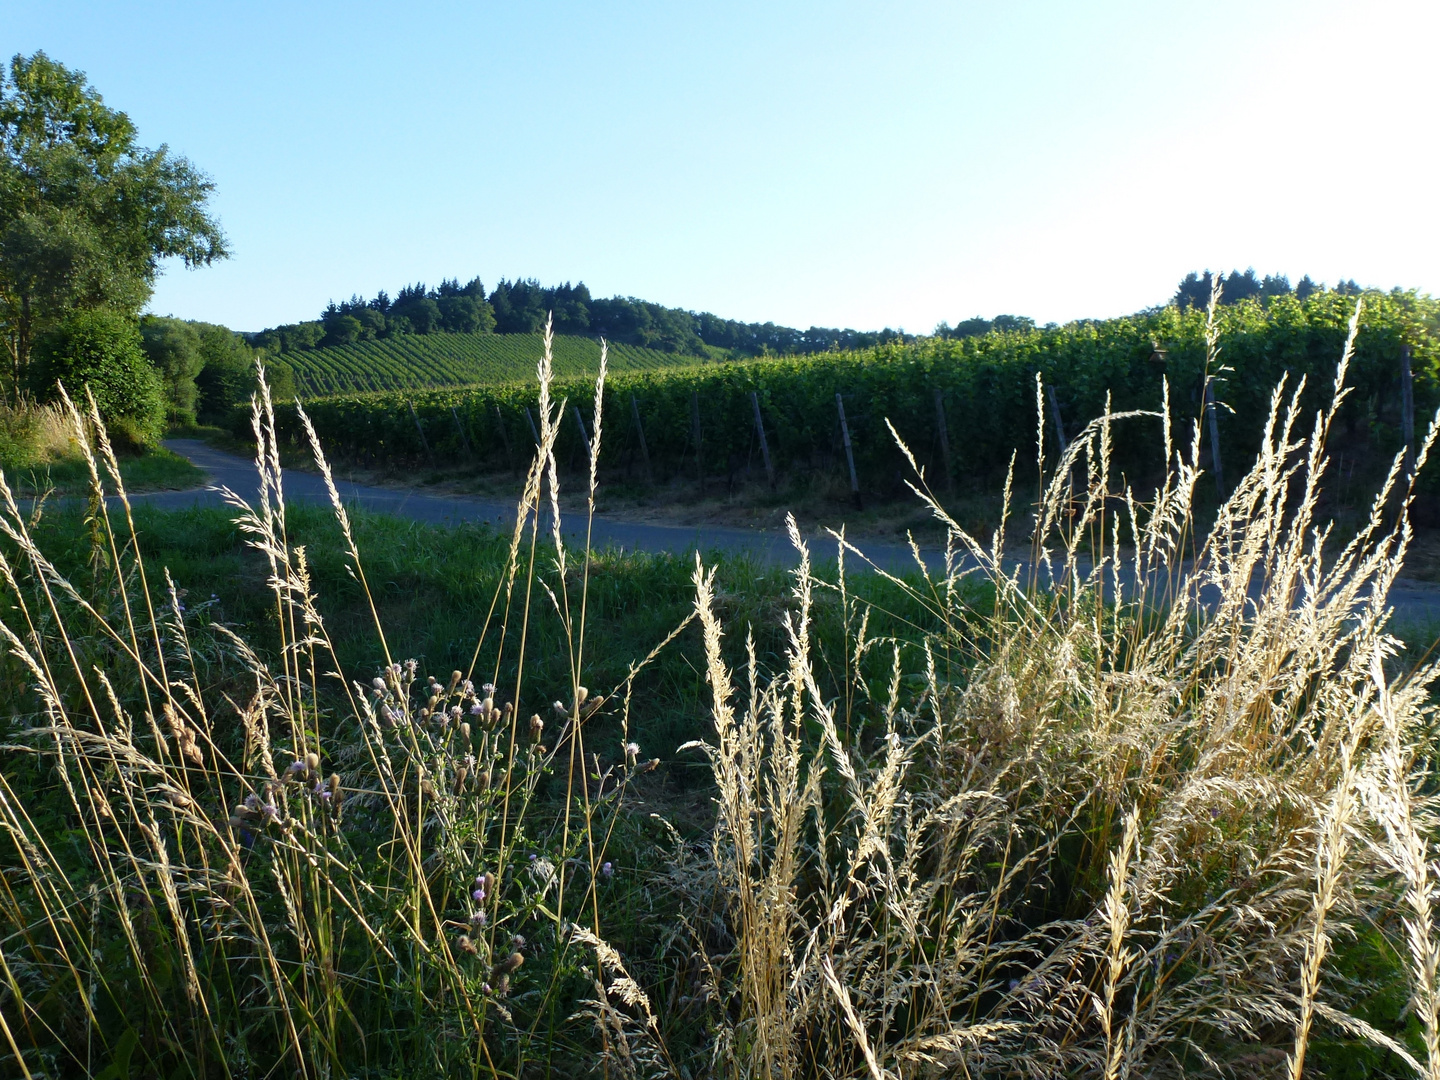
[(415, 361)]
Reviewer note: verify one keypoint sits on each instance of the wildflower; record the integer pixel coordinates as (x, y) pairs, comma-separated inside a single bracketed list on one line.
[(478, 918), (580, 695), (411, 666), (478, 896), (632, 751), (378, 683), (467, 946), (1014, 985), (325, 797), (537, 728), (252, 801), (509, 964), (297, 767), (517, 941), (465, 732), (467, 688), (312, 761), (477, 709), (608, 869)]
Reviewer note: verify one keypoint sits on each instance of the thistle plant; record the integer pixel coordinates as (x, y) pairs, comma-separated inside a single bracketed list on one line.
[(253, 860)]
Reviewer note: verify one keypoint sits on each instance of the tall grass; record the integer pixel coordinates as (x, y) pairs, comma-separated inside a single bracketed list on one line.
[(1131, 819)]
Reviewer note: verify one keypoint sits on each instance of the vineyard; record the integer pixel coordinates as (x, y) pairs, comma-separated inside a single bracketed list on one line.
[(411, 361), (976, 397)]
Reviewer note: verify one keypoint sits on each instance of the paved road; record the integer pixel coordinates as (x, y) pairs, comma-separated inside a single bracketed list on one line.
[(1416, 603), (238, 474)]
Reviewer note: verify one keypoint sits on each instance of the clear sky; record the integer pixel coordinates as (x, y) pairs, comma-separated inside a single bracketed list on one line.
[(833, 164)]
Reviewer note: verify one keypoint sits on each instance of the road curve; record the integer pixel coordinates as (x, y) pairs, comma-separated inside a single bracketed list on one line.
[(1416, 603)]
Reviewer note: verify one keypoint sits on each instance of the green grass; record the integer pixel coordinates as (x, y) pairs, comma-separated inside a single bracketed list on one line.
[(154, 469), (437, 360), (433, 585)]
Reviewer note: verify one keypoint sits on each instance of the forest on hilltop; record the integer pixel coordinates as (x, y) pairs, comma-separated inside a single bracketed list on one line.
[(522, 305)]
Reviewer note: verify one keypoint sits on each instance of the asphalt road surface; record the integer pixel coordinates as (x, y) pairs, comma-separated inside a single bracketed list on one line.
[(1416, 603), (238, 474)]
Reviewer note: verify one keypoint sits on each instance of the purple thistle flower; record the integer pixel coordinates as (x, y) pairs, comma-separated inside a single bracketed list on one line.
[(607, 869), (478, 896)]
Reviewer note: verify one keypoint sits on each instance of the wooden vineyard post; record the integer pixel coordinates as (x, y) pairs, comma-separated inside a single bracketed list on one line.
[(1407, 409), (1055, 414), (584, 436), (423, 441), (464, 439), (944, 438), (1214, 434), (849, 453), (640, 431), (531, 421), (764, 444), (504, 438), (695, 429)]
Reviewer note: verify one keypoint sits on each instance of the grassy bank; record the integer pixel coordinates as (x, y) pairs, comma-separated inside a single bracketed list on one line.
[(40, 452)]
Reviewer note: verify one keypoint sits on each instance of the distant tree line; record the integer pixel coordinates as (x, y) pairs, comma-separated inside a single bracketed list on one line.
[(978, 327), (521, 307), (1194, 290)]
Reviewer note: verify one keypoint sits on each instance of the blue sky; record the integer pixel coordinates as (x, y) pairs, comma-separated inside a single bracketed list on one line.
[(829, 164)]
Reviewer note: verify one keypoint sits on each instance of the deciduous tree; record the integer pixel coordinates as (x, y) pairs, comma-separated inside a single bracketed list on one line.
[(86, 213)]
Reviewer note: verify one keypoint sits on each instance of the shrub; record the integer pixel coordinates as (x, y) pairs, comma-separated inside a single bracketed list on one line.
[(227, 381), (173, 348), (101, 350)]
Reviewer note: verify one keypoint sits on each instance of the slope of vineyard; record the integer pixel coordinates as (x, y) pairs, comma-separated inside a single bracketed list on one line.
[(984, 388), (437, 360)]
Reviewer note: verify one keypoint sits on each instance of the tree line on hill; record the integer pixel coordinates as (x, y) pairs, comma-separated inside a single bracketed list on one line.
[(522, 305), (1194, 290)]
